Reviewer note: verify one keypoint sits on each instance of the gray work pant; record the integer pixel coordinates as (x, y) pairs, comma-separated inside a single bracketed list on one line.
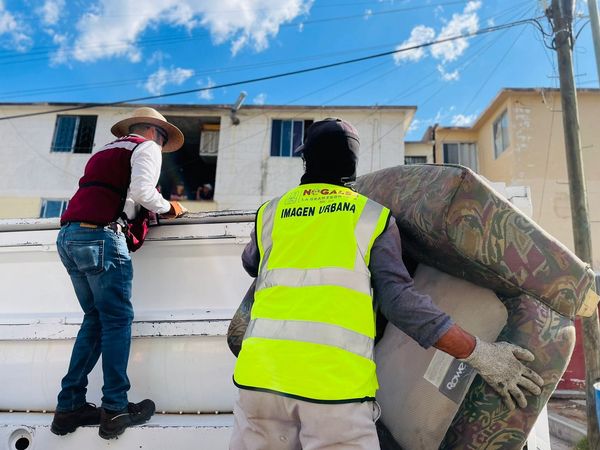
[(264, 421)]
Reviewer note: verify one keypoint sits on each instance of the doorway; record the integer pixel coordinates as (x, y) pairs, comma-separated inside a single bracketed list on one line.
[(190, 172)]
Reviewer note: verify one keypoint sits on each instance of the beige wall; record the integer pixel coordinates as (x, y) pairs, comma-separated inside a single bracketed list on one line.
[(419, 149), (488, 163), (30, 207), (449, 136), (536, 155), (24, 208)]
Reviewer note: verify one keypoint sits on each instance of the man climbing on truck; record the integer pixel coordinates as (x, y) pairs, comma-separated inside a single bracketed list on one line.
[(119, 179)]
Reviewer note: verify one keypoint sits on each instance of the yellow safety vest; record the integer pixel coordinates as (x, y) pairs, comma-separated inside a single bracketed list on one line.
[(312, 328)]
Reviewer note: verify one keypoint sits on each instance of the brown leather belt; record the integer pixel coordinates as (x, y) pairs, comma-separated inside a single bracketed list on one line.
[(88, 225), (116, 227)]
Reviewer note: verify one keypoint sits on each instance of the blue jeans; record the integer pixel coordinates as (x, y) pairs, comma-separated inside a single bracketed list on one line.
[(99, 264)]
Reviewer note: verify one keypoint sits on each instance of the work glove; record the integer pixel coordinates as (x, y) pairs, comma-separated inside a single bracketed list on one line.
[(177, 210), (499, 364)]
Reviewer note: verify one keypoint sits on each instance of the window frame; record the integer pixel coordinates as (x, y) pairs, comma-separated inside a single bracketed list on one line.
[(475, 155), (209, 143), (44, 207), (422, 159), (501, 120), (277, 150), (83, 124)]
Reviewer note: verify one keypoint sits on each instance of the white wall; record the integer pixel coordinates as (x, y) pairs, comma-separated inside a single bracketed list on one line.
[(246, 173), (28, 168)]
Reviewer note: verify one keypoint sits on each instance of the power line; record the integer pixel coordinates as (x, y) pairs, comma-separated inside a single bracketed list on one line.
[(415, 88), (246, 138), (519, 14), (493, 71), (323, 5), (411, 90), (280, 75), (198, 72), (546, 166), (41, 156), (45, 51), (219, 70)]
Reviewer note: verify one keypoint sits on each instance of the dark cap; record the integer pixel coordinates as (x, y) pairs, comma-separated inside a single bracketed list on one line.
[(331, 134)]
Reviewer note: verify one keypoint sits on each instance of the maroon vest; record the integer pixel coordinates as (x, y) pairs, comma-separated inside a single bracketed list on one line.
[(104, 184)]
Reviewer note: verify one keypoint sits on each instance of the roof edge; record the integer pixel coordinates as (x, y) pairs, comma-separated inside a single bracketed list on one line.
[(226, 107), (501, 96)]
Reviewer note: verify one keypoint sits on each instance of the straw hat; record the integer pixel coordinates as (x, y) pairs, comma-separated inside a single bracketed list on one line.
[(153, 117)]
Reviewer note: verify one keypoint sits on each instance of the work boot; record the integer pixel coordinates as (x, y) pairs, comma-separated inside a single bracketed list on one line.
[(67, 422), (113, 423)]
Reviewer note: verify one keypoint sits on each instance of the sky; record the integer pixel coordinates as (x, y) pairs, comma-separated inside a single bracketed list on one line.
[(116, 50)]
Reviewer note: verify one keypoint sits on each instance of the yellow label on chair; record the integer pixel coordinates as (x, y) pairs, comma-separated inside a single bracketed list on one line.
[(589, 305)]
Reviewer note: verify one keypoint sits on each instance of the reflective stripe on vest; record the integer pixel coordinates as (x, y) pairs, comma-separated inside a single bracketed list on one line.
[(315, 332), (312, 325), (363, 232)]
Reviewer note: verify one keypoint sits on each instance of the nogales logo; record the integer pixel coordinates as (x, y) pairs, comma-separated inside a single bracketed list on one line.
[(456, 377), (326, 191)]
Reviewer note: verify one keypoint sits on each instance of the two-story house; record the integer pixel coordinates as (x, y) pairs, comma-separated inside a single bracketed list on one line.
[(518, 140), (227, 162)]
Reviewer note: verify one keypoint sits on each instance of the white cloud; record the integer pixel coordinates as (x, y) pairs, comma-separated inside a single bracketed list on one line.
[(414, 125), (368, 14), (158, 57), (465, 22), (51, 10), (61, 55), (443, 113), (472, 6), (460, 23), (209, 94), (15, 30), (460, 120), (440, 115), (260, 99), (245, 23), (419, 35), (448, 76), (159, 79)]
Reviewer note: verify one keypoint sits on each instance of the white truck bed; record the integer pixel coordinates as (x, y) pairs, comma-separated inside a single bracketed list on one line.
[(188, 282)]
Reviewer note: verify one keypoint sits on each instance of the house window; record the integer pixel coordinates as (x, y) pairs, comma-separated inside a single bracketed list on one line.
[(287, 135), (501, 141), (53, 208), (74, 134), (415, 160), (463, 153), (209, 139)]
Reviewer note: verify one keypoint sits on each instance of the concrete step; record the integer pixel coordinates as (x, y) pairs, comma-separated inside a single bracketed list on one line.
[(566, 429), (31, 431)]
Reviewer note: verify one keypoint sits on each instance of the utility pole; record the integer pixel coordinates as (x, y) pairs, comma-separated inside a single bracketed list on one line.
[(561, 16)]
